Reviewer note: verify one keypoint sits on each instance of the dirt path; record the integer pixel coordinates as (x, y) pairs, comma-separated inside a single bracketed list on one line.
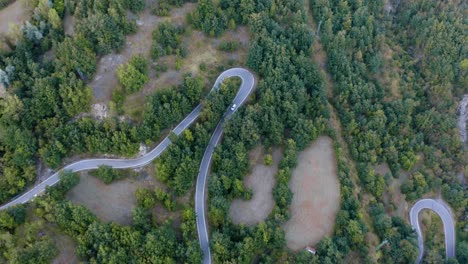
[(316, 199), (261, 181)]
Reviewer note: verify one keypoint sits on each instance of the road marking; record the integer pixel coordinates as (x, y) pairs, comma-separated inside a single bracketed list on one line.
[(245, 89), (441, 209)]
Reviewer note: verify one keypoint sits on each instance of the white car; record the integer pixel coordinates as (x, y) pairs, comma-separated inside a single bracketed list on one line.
[(233, 107)]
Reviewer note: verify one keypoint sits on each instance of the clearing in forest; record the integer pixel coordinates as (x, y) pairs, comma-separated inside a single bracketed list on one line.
[(13, 14), (261, 181), (105, 79), (316, 199), (112, 202)]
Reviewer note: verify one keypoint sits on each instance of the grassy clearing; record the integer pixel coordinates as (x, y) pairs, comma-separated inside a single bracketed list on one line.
[(105, 79), (204, 58), (113, 202), (261, 181), (316, 197)]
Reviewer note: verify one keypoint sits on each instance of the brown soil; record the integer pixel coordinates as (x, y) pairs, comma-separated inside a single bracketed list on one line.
[(113, 202), (11, 15), (393, 199), (316, 197), (69, 24), (390, 73), (201, 49), (261, 181), (320, 57), (105, 79), (66, 247)]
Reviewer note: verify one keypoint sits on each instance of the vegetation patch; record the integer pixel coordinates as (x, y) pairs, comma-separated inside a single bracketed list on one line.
[(134, 74), (316, 195), (261, 181), (11, 14), (110, 202), (433, 233)]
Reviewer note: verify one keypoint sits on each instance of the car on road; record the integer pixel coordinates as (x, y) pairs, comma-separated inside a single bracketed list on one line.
[(233, 107)]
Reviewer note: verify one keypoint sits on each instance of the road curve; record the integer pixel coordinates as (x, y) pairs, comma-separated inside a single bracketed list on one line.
[(200, 192), (449, 227), (87, 164)]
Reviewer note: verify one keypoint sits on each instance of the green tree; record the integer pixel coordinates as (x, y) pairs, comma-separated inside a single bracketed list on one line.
[(132, 76)]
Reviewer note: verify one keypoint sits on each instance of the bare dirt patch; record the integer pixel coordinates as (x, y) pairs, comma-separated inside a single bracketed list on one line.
[(261, 181), (113, 202), (11, 16), (316, 197), (201, 50), (14, 14), (66, 247), (69, 24), (390, 75), (105, 79)]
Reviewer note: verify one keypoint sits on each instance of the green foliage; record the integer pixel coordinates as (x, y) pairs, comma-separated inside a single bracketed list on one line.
[(209, 19), (228, 46), (49, 91), (145, 198), (167, 40), (134, 74), (168, 106), (5, 3), (462, 251), (32, 246), (165, 199), (105, 27), (18, 213), (68, 180), (268, 160), (415, 186), (118, 98), (178, 165), (39, 252), (135, 5), (163, 7), (87, 136), (108, 174)]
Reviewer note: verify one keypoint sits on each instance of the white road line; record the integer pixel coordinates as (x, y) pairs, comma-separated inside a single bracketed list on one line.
[(445, 214), (245, 89)]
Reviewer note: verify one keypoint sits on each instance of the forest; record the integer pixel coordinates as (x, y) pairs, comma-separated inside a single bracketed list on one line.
[(410, 127)]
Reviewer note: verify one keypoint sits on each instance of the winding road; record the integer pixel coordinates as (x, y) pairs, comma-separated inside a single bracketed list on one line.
[(449, 227), (245, 89)]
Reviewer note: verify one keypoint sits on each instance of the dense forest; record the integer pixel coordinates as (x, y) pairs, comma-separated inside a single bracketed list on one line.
[(411, 126)]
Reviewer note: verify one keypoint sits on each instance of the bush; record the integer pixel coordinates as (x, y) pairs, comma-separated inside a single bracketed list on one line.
[(167, 40), (134, 74), (228, 46), (107, 174), (268, 160)]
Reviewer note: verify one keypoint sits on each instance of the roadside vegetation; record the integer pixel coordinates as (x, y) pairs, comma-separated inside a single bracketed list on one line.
[(108, 174), (406, 122), (399, 128)]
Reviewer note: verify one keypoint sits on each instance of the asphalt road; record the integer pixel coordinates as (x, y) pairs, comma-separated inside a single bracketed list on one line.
[(244, 91), (449, 227), (200, 192)]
